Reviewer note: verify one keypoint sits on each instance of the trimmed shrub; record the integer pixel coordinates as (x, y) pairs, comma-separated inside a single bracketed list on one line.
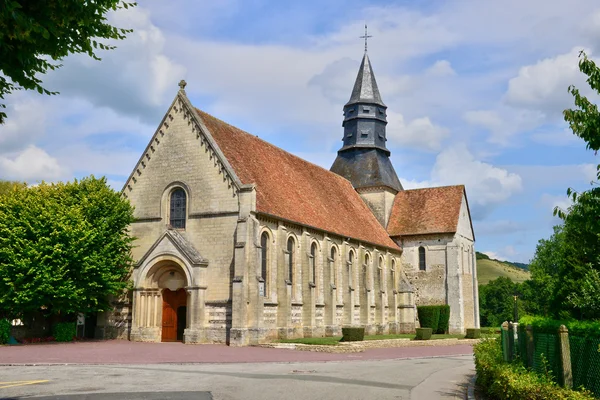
[(65, 331), (444, 319), (4, 331), (549, 325), (500, 380), (353, 334), (429, 316), (473, 333), (424, 333)]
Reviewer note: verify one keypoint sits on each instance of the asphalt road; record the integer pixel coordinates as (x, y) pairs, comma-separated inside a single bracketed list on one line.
[(417, 378)]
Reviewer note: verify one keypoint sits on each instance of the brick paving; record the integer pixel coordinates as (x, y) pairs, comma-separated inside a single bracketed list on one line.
[(125, 352)]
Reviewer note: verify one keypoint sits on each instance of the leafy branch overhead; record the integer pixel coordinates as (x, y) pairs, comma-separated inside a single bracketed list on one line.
[(36, 35)]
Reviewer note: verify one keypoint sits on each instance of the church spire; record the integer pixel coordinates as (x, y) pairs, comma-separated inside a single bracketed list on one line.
[(364, 157)]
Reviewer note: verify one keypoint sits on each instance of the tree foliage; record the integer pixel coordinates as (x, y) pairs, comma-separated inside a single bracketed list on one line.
[(64, 248), (9, 186), (496, 301), (35, 35)]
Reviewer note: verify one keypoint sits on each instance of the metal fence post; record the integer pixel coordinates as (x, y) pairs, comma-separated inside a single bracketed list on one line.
[(565, 356), (504, 337), (511, 342), (530, 346)]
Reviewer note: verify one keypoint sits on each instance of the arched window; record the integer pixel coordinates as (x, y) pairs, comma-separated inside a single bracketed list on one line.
[(332, 268), (313, 263), (264, 257), (290, 254), (350, 266), (380, 274), (365, 274), (177, 212), (393, 275), (422, 265)]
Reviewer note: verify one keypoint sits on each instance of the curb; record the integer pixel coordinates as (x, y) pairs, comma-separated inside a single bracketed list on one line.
[(105, 364), (471, 388)]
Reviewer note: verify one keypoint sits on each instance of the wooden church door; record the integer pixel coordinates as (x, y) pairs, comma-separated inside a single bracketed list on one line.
[(173, 323)]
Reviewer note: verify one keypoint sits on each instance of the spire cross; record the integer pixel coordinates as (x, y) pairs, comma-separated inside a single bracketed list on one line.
[(366, 36)]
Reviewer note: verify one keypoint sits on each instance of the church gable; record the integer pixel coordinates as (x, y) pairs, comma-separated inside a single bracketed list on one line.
[(465, 226), (182, 154)]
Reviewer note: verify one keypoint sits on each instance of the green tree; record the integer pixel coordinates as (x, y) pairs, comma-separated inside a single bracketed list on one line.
[(64, 248), (496, 301), (9, 186), (35, 35)]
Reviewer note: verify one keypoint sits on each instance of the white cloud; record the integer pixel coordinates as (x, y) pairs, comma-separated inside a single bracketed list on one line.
[(441, 68), (543, 85), (419, 133), (550, 202), (32, 164), (25, 124), (504, 123), (136, 78)]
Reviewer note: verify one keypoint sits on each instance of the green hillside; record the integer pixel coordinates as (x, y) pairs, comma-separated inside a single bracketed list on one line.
[(488, 270)]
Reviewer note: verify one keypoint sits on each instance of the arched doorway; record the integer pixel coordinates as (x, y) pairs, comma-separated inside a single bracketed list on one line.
[(174, 312)]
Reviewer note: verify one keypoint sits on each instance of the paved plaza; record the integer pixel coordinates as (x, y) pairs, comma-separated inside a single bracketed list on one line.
[(125, 370)]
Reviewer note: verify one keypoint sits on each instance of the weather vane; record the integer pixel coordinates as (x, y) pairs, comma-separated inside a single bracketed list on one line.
[(366, 37)]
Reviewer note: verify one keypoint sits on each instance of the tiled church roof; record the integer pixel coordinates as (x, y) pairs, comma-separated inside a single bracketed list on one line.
[(425, 211), (293, 189)]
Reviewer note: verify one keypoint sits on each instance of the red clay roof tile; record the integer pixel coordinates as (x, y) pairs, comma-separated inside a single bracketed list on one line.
[(426, 211), (294, 189)]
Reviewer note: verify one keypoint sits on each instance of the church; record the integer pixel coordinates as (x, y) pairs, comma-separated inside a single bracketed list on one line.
[(240, 242)]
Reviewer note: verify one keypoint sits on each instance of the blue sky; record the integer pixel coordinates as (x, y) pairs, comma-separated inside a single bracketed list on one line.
[(474, 91)]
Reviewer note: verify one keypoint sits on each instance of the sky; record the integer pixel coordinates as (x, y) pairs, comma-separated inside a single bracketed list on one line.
[(475, 92)]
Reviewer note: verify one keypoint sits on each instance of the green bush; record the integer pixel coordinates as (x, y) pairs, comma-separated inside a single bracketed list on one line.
[(4, 331), (500, 380), (549, 325), (429, 317), (473, 333), (423, 333), (444, 319), (65, 331), (353, 334)]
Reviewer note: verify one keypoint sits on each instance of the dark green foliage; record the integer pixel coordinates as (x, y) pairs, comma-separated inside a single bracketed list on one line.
[(429, 317), (353, 334), (500, 380), (4, 331), (496, 301), (423, 333), (481, 256), (444, 319), (65, 331), (34, 35), (473, 333), (64, 248)]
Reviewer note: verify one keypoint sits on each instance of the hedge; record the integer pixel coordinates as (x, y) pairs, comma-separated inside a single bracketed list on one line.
[(65, 331), (429, 317), (4, 331), (444, 319), (501, 380), (549, 325), (473, 333), (353, 334), (423, 334)]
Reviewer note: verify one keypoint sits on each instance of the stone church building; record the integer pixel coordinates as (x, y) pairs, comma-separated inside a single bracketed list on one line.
[(241, 242)]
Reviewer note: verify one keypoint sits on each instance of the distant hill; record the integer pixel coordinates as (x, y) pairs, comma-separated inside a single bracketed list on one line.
[(489, 269)]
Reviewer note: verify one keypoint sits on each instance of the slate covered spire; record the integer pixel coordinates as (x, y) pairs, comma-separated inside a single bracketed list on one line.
[(364, 157)]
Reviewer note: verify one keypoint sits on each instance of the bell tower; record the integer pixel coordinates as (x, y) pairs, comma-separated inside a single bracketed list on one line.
[(364, 158)]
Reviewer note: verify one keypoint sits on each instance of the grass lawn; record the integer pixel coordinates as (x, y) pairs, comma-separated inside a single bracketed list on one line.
[(335, 340)]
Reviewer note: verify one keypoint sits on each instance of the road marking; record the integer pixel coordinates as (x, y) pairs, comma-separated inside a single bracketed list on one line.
[(4, 385)]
